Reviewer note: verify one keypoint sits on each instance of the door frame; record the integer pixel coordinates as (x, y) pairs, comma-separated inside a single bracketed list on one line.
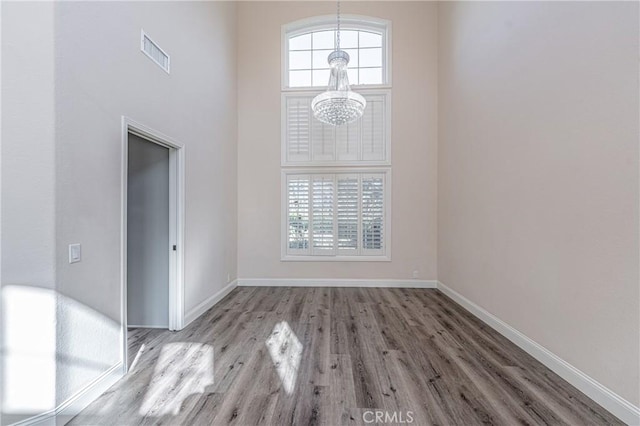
[(176, 225)]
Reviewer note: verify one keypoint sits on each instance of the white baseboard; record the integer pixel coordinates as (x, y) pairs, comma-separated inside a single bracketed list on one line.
[(306, 282), (64, 412), (74, 405), (208, 303), (615, 404), (166, 327)]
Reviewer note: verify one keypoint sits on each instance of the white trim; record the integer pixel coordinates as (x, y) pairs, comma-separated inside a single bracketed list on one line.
[(176, 225), (332, 258), (311, 282), (64, 412), (164, 327), (323, 22), (284, 162), (209, 302), (608, 399), (361, 88)]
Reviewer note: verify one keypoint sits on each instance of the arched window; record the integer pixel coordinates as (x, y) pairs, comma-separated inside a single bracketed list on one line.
[(307, 43), (336, 181)]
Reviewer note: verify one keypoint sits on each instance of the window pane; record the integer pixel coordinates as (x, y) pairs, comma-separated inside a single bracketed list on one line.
[(324, 40), (320, 78), (353, 57), (370, 75), (300, 60), (353, 76), (371, 57), (320, 58), (348, 39), (299, 78), (300, 43), (368, 39)]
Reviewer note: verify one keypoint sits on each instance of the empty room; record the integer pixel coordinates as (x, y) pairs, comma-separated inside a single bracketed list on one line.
[(320, 213)]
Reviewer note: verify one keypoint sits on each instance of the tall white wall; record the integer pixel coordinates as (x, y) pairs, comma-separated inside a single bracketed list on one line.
[(27, 228), (69, 72), (538, 175), (414, 132), (102, 75)]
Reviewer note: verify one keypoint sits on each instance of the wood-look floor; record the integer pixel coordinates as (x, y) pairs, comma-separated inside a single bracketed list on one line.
[(306, 356)]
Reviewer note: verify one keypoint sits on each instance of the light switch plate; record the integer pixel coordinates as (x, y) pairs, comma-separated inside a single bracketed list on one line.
[(75, 253)]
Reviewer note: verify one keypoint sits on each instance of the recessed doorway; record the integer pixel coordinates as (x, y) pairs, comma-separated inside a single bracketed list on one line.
[(152, 237)]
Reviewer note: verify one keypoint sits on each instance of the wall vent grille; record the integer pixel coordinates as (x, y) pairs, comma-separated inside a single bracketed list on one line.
[(153, 51)]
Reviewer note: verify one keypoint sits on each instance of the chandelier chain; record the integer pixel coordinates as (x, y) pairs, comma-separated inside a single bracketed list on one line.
[(338, 32)]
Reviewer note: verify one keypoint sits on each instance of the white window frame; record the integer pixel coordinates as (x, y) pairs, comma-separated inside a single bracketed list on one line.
[(337, 257), (347, 22), (283, 134)]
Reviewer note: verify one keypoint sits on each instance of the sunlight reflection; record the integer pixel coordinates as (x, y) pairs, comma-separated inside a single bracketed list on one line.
[(52, 346), (182, 369), (285, 350), (138, 355), (29, 349)]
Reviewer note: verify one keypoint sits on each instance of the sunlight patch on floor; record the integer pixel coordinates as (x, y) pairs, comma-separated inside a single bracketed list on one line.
[(183, 369), (286, 351)]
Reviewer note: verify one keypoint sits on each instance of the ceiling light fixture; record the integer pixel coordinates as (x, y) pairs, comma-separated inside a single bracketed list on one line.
[(339, 104)]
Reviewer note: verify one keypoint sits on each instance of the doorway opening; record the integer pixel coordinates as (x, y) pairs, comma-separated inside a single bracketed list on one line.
[(152, 298)]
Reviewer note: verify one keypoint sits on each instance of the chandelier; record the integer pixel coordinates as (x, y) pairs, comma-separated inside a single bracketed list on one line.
[(339, 104)]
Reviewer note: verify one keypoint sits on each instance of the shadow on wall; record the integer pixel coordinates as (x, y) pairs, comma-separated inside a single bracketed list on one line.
[(45, 348)]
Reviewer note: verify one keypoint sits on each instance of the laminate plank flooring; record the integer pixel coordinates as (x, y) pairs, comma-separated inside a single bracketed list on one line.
[(337, 356), (136, 339)]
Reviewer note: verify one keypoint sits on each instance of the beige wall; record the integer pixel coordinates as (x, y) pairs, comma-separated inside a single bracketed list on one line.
[(538, 175), (413, 245)]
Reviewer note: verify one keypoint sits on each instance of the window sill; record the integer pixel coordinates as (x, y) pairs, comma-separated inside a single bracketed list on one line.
[(335, 258)]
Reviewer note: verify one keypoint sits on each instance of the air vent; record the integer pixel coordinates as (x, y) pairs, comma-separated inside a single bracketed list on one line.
[(153, 51)]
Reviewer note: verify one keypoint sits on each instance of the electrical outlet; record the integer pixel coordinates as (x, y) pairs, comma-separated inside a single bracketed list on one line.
[(416, 275), (228, 277)]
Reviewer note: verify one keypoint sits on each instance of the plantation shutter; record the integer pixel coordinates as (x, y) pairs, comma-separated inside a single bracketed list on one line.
[(298, 214), (307, 141), (348, 209), (323, 141), (372, 214), (322, 214), (297, 133), (373, 124), (348, 139)]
